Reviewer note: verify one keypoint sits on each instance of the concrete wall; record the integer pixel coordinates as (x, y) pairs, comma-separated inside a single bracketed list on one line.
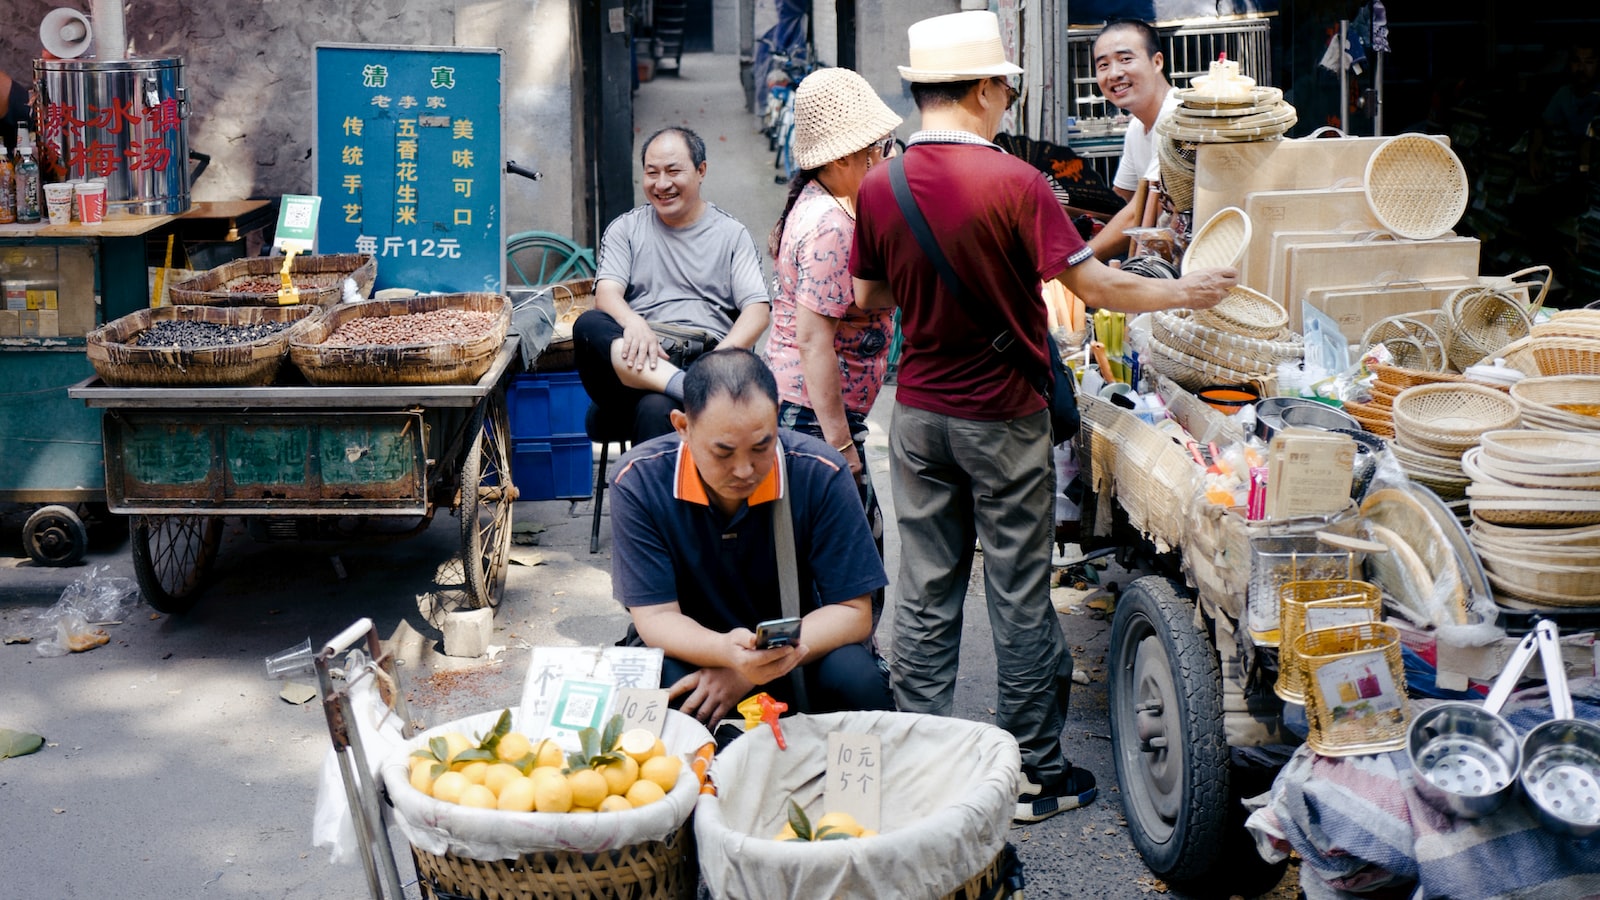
[(249, 70)]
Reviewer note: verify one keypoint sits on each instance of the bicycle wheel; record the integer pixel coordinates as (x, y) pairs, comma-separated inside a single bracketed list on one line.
[(536, 258)]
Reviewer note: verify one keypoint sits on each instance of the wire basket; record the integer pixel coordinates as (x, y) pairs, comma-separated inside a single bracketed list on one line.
[(1450, 418), (435, 362), (1355, 689), (1412, 342), (1248, 312), (1416, 187), (1219, 242), (1312, 605), (120, 362), (1279, 559), (1485, 319)]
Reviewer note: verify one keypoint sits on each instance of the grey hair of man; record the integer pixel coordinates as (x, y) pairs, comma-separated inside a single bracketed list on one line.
[(697, 146), (733, 372)]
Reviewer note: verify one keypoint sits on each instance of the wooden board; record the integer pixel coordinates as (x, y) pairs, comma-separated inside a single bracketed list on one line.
[(1225, 173), (1270, 212), (1277, 258), (1311, 266), (1358, 307)]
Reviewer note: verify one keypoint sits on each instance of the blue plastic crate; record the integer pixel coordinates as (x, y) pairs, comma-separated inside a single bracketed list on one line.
[(547, 405), (554, 469)]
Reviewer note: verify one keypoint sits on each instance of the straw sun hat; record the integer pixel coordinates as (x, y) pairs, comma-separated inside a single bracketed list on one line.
[(961, 46), (837, 113)]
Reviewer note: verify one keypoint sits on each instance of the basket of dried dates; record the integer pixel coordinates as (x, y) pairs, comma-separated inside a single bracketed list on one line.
[(190, 346), (432, 339), (254, 281)]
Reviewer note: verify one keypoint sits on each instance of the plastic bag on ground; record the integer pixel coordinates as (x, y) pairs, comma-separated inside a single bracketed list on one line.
[(69, 625)]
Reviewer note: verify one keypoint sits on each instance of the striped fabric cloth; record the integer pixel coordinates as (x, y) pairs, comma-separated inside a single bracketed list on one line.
[(1362, 830)]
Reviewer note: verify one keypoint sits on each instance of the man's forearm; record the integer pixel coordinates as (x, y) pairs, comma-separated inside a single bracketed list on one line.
[(825, 630), (747, 328), (679, 636)]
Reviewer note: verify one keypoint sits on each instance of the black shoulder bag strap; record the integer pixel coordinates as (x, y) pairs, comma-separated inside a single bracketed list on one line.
[(788, 568), (1004, 343)]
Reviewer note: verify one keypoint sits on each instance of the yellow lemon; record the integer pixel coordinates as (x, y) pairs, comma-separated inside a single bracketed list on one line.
[(583, 809), (546, 772), (836, 821), (478, 796), (644, 792), (497, 776), (448, 787), (588, 788), (663, 770), (456, 742), (549, 753), (513, 746), (868, 832), (640, 744), (517, 796), (422, 777), (552, 795), (786, 834), (620, 775), (475, 771), (615, 803)]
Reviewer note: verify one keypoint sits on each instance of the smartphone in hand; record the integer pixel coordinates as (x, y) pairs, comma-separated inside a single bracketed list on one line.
[(777, 633)]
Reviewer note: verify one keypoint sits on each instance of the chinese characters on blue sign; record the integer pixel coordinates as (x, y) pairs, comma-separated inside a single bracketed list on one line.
[(409, 150)]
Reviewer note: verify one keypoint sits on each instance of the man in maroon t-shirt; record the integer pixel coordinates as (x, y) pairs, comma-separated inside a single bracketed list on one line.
[(970, 439)]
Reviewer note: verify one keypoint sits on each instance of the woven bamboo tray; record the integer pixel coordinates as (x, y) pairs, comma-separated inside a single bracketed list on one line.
[(320, 280), (1543, 453), (1449, 418), (1181, 332), (1416, 186), (1193, 373), (1219, 242), (379, 364), (1566, 355), (122, 364), (1248, 312), (1560, 402)]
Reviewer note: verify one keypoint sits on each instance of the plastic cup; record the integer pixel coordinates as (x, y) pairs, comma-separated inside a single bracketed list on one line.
[(58, 202), (91, 202), (291, 661), (76, 215)]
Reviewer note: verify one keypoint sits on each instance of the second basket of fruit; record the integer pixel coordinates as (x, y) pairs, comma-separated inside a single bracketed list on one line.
[(947, 791), (490, 808)]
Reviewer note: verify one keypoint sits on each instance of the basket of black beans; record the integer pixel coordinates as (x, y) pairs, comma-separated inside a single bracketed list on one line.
[(191, 346)]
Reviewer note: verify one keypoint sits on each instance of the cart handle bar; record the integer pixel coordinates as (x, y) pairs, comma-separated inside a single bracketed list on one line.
[(347, 637)]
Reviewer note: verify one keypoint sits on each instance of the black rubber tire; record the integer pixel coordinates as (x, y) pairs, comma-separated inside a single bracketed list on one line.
[(486, 505), (55, 536), (1171, 753), (172, 555)]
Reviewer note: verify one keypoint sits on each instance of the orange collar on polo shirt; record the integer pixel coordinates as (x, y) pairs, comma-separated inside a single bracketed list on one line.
[(689, 487)]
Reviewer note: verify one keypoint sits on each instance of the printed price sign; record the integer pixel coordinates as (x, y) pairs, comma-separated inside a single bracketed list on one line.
[(854, 778), (579, 705), (297, 223), (643, 708), (409, 157)]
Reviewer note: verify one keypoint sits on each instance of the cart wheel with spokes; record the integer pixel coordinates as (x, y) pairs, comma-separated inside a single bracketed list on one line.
[(485, 504), (55, 536), (1167, 735), (172, 556)]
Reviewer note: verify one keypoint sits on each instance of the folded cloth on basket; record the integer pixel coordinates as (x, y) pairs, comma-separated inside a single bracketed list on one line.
[(1361, 829)]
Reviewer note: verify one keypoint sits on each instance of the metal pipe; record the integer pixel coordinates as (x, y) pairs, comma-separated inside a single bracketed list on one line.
[(110, 30), (1377, 95), (1344, 77)]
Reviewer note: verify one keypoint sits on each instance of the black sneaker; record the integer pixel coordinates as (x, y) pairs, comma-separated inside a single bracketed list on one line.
[(1039, 801)]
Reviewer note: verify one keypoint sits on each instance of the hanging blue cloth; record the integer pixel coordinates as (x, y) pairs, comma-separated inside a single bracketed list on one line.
[(789, 35)]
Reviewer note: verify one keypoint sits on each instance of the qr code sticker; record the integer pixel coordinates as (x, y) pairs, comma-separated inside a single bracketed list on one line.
[(579, 710), (298, 215)]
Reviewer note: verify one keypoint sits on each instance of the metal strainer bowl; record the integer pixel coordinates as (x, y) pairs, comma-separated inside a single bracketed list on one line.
[(1561, 772), (1466, 756)]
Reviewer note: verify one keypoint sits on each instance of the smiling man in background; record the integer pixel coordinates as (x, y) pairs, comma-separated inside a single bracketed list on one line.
[(676, 278), (1128, 68)]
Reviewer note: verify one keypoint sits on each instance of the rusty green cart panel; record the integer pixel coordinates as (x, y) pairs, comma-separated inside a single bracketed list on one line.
[(162, 461)]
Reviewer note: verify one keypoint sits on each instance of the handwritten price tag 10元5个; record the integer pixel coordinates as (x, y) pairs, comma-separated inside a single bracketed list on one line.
[(855, 777)]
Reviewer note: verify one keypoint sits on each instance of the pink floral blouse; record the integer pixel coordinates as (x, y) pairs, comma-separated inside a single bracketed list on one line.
[(813, 270)]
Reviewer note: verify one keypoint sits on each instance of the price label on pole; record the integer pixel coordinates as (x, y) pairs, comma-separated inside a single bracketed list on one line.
[(643, 708), (854, 782)]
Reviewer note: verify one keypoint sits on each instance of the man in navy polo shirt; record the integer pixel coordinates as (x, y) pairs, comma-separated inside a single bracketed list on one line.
[(693, 557)]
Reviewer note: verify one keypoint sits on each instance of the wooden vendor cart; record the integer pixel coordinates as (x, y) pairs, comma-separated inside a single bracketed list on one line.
[(180, 460)]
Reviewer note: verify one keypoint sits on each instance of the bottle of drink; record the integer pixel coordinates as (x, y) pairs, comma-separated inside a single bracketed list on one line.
[(8, 190), (27, 180)]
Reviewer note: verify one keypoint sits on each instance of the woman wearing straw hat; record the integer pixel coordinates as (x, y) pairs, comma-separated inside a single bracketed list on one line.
[(829, 356)]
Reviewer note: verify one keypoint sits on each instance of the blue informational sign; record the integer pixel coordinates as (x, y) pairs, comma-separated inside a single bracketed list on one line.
[(409, 153)]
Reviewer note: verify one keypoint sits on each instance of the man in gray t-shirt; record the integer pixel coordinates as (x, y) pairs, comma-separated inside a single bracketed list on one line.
[(678, 263)]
